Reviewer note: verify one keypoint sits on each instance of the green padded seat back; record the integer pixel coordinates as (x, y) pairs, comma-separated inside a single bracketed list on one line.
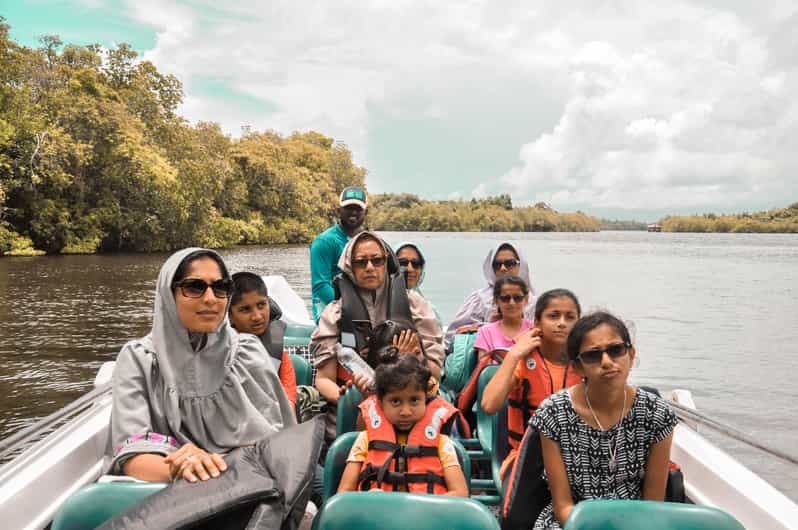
[(335, 462), (297, 335), (347, 411), (96, 503), (488, 428), (395, 511), (633, 514), (486, 424), (304, 373)]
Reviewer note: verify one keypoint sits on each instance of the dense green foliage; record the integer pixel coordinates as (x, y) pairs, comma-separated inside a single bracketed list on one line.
[(615, 224), (406, 212), (779, 220), (93, 157)]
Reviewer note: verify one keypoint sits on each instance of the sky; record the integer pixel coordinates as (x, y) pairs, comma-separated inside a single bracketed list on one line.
[(624, 109)]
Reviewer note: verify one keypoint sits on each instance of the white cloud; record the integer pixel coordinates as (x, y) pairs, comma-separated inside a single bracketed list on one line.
[(701, 118), (684, 103)]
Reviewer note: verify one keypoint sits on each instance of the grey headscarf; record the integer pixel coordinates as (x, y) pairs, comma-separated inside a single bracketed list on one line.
[(479, 306), (222, 395)]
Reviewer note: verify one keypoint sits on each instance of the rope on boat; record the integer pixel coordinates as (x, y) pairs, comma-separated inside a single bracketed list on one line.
[(731, 432), (25, 436)]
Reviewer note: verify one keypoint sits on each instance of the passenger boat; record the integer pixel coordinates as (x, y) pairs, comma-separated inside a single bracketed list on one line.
[(43, 465)]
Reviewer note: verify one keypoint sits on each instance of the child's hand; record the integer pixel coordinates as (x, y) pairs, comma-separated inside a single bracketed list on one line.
[(363, 384), (342, 389), (407, 342), (526, 343)]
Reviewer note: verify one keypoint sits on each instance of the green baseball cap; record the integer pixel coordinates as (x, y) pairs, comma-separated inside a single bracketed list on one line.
[(353, 195)]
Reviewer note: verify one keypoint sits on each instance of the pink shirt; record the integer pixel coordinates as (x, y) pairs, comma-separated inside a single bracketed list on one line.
[(490, 336)]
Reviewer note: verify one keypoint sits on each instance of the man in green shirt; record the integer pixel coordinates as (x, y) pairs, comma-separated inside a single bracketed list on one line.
[(327, 247)]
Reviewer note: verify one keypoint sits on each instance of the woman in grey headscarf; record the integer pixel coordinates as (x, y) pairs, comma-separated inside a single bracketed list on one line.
[(193, 388), (503, 260)]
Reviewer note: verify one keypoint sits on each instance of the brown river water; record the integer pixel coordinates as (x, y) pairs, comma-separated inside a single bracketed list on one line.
[(713, 313)]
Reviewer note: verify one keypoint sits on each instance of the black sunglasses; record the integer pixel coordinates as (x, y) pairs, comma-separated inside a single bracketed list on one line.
[(363, 262), (508, 263), (416, 263), (613, 350), (195, 288), (517, 298)]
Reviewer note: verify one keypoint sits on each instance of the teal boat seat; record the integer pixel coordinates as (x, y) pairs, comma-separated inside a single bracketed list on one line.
[(347, 411), (304, 373), (400, 511), (297, 335), (634, 514), (335, 462), (488, 436), (96, 503)]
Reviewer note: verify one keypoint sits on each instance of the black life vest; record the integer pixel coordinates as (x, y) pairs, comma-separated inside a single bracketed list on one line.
[(355, 323), (273, 337)]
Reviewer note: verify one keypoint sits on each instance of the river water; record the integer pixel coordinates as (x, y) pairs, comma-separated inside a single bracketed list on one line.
[(714, 313)]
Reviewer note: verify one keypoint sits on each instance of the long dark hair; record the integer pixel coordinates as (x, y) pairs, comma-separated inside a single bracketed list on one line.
[(546, 298), (185, 265)]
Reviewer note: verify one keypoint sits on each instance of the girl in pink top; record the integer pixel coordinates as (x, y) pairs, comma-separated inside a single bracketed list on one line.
[(511, 295)]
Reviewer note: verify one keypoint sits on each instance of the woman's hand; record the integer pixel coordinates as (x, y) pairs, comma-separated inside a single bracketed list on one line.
[(190, 462), (407, 342), (527, 342)]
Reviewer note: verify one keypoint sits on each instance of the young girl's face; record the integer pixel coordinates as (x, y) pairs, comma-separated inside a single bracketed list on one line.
[(511, 301), (557, 320), (251, 313), (604, 358), (404, 408)]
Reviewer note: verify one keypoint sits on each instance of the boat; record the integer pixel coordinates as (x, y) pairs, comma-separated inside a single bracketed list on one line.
[(654, 227), (46, 463)]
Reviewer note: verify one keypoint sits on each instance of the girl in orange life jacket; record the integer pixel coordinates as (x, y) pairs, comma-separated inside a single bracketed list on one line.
[(402, 448), (535, 367), (627, 431)]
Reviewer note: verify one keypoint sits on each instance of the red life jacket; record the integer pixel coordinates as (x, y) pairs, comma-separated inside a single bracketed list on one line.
[(469, 394), (422, 470), (536, 385)]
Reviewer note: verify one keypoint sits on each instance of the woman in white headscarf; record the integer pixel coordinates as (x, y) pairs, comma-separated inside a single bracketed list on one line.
[(193, 389), (479, 307)]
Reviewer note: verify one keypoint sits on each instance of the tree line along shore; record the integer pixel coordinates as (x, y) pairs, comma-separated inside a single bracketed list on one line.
[(95, 158)]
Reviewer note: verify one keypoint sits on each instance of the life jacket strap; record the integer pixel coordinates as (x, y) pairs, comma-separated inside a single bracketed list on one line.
[(400, 451)]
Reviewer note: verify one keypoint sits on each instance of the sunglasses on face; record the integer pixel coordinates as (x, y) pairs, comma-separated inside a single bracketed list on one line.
[(362, 263), (613, 350), (507, 263), (195, 288), (416, 263), (517, 298)]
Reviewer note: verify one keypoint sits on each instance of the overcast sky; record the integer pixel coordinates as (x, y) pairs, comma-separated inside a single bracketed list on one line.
[(619, 108)]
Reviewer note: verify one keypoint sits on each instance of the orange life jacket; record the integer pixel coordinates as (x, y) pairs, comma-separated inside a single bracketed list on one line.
[(536, 385), (422, 471)]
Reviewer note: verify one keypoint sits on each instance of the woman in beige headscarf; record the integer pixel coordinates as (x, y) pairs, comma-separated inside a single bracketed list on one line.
[(365, 261)]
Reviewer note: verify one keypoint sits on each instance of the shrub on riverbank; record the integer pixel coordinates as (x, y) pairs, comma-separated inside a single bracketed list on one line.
[(407, 212), (778, 220)]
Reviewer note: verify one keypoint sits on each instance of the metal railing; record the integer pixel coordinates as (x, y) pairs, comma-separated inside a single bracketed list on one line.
[(28, 435), (732, 432)]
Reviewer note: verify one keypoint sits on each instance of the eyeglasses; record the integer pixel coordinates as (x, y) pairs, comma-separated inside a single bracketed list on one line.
[(517, 298), (195, 288), (508, 264), (416, 263), (613, 350), (363, 262)]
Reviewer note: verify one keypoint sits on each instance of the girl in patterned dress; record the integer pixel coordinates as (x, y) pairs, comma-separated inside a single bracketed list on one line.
[(602, 438)]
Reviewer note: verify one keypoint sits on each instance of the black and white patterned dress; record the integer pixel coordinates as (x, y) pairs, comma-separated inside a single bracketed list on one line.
[(586, 450)]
